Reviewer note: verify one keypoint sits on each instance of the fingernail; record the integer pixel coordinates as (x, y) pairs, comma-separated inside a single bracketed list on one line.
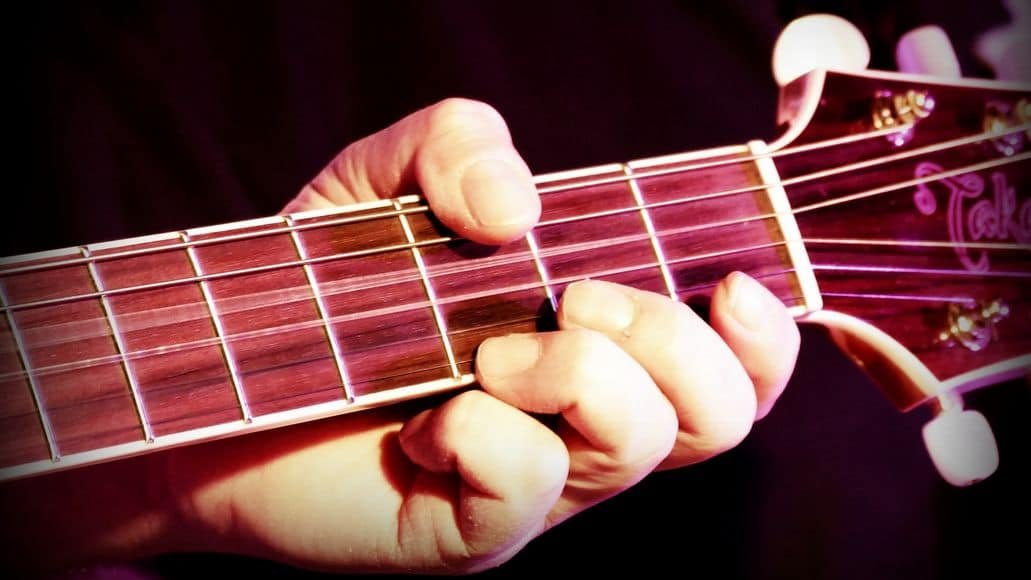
[(504, 356), (749, 301), (494, 193), (600, 306)]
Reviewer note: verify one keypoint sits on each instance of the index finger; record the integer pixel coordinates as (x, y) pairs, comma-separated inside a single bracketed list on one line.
[(458, 152)]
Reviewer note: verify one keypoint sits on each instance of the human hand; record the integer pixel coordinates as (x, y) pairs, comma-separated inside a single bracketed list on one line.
[(637, 380), (633, 380)]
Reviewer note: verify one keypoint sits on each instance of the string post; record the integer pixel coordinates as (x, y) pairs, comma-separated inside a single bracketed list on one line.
[(901, 110)]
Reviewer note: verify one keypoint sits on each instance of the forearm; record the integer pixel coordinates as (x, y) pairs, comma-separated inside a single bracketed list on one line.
[(110, 512)]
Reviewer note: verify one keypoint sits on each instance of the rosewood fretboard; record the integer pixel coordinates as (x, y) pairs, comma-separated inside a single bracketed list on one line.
[(118, 348)]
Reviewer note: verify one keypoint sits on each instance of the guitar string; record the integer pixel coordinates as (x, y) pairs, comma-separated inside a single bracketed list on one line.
[(443, 239), (601, 244), (420, 209), (622, 177), (444, 365), (639, 176), (407, 307), (69, 332), (463, 361), (317, 323)]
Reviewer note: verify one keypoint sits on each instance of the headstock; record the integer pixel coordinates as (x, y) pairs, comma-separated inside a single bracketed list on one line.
[(920, 234)]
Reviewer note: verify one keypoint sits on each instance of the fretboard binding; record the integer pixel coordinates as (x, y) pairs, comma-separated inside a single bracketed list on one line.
[(37, 399), (334, 343), (116, 335), (667, 277), (216, 322), (430, 293)]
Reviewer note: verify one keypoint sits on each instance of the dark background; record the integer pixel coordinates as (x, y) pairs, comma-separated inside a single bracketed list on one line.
[(136, 118)]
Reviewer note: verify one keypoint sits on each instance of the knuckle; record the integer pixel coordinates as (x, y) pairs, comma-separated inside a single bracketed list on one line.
[(728, 416), (463, 115), (459, 414), (589, 356)]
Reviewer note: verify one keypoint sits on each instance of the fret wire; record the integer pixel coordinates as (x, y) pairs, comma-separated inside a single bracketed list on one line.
[(387, 311), (130, 375), (331, 336), (973, 139), (430, 293), (37, 399), (542, 272), (667, 278), (220, 333)]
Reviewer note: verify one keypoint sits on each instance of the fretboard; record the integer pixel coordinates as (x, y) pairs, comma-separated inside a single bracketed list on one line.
[(115, 349)]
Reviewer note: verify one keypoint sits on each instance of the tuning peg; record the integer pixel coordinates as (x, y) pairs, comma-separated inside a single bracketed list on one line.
[(818, 41), (961, 444), (1005, 48), (927, 50)]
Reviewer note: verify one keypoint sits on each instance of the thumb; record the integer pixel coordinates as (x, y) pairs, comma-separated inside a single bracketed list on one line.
[(457, 153)]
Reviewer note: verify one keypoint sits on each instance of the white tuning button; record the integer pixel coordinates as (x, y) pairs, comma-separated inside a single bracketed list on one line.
[(962, 446), (927, 50), (818, 41)]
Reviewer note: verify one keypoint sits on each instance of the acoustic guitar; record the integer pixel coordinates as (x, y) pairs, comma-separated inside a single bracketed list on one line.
[(894, 210)]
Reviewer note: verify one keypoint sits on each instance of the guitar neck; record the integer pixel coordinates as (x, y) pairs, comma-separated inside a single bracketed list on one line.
[(916, 217), (120, 348)]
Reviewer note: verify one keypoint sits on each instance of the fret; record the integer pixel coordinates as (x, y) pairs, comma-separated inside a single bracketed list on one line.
[(612, 237), (23, 358), (710, 222), (272, 328), (667, 278), (430, 294), (313, 283), (376, 302), (483, 291), (216, 322), (531, 242), (116, 335), (80, 376), (778, 199), (182, 373)]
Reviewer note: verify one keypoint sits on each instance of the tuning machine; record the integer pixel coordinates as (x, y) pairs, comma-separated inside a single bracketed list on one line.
[(1000, 117), (901, 110)]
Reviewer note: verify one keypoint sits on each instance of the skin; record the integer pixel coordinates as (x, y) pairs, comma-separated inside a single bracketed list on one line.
[(633, 380)]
